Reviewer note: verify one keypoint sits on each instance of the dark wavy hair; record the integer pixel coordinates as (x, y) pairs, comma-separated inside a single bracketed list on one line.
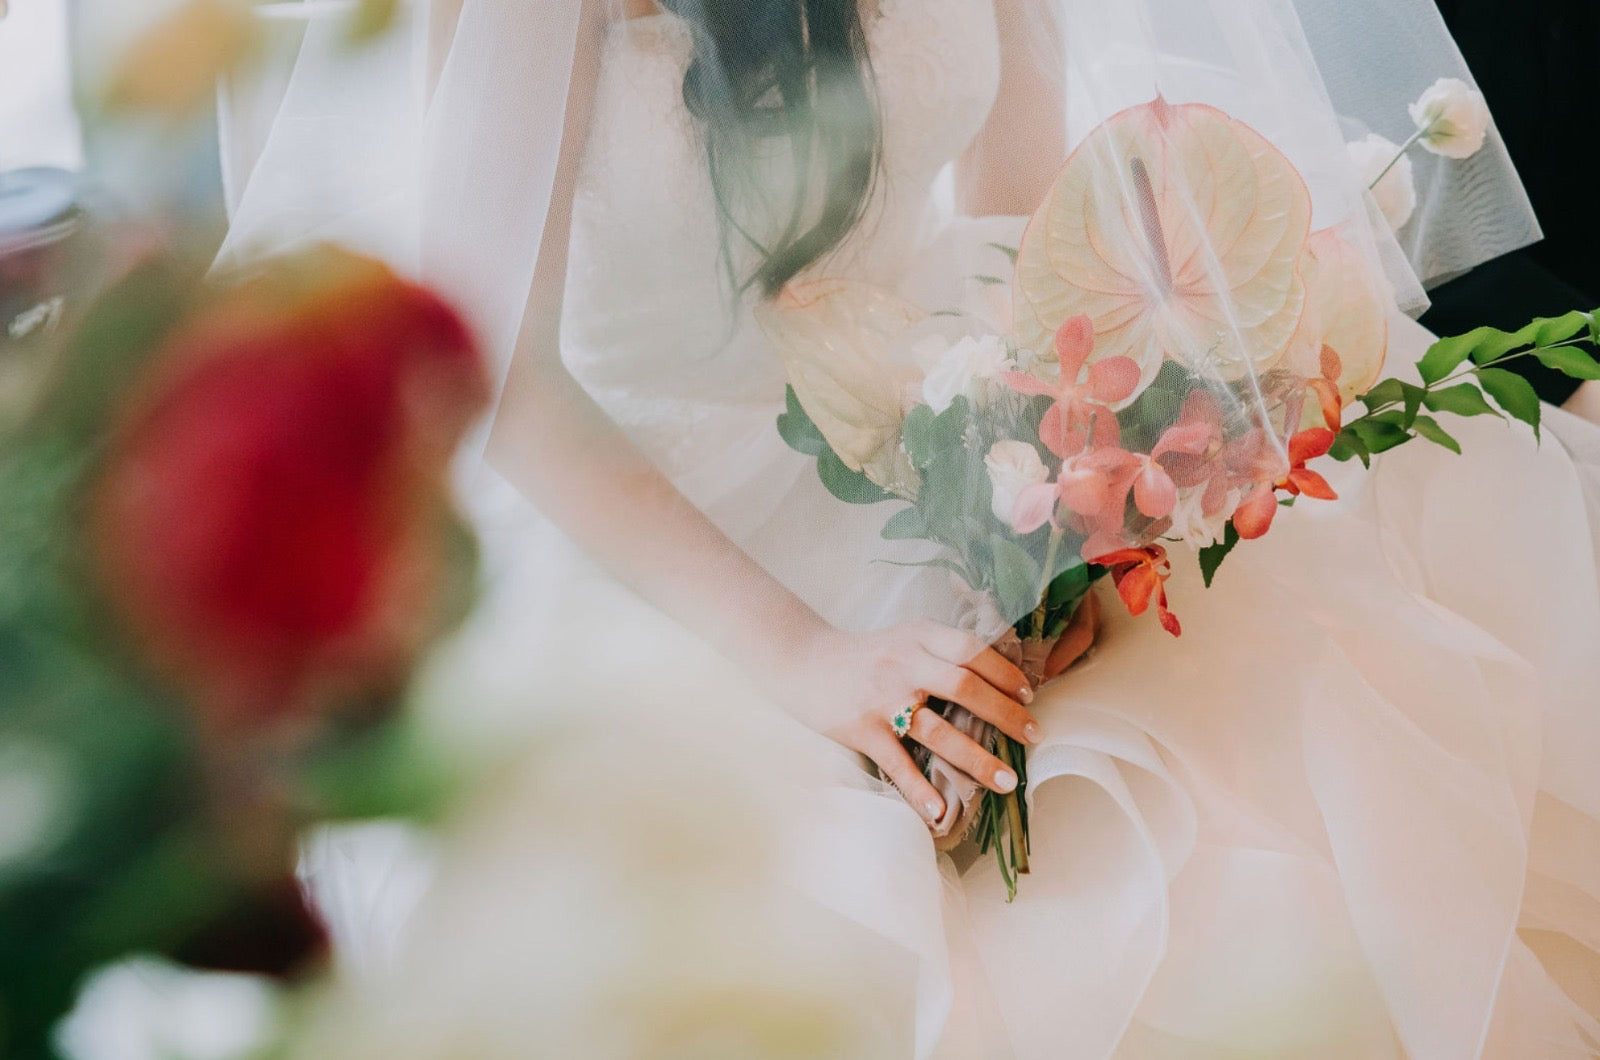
[(795, 73)]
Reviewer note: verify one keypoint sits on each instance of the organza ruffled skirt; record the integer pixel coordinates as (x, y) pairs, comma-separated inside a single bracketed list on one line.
[(1351, 812)]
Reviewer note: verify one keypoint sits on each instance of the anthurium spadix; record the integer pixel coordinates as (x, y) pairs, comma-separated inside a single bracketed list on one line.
[(1177, 230)]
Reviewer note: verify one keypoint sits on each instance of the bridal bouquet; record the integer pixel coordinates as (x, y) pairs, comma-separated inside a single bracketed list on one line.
[(1172, 361)]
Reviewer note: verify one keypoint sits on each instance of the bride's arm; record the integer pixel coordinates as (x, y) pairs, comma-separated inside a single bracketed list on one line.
[(556, 445), (1009, 165)]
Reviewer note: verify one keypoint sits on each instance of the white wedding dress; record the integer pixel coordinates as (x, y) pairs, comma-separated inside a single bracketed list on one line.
[(1352, 813)]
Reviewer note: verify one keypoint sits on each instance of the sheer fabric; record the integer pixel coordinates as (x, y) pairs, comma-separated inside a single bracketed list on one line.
[(1338, 818)]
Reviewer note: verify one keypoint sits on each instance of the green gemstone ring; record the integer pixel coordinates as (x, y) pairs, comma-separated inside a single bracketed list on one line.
[(902, 718)]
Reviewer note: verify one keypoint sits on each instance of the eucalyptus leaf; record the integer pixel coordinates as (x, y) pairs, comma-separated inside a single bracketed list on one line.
[(1512, 393)]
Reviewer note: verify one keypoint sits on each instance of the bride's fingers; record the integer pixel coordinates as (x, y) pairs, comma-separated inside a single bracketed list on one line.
[(1078, 638), (891, 756), (948, 742), (962, 649), (962, 686)]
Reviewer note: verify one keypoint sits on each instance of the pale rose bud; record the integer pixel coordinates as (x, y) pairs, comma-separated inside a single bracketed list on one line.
[(1452, 117), (961, 367), (1013, 467), (1396, 193)]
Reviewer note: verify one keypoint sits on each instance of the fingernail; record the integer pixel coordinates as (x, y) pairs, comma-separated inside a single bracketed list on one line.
[(1005, 780), (932, 809), (1033, 732), (1026, 695)]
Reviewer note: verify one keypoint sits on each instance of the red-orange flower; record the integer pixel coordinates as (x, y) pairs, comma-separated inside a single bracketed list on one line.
[(272, 523), (1140, 575), (1253, 517)]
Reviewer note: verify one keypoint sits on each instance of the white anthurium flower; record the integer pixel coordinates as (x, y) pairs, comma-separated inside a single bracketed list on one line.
[(1396, 189), (1013, 466), (1452, 118), (962, 368), (1190, 523), (843, 350)]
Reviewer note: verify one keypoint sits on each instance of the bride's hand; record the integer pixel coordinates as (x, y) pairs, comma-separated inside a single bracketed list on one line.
[(849, 686)]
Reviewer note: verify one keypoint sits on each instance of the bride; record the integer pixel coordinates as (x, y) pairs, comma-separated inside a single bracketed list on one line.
[(1350, 813)]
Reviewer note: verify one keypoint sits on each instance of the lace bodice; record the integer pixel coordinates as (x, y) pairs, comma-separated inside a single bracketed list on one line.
[(648, 315)]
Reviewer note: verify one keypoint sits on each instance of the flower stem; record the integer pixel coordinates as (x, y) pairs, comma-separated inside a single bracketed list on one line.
[(1019, 834), (1419, 134)]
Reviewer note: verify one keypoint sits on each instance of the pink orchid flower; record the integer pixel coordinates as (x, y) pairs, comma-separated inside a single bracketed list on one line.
[(1155, 493), (1254, 516), (1092, 484), (1082, 409)]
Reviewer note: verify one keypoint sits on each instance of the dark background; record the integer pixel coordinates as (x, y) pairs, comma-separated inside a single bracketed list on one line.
[(1538, 64)]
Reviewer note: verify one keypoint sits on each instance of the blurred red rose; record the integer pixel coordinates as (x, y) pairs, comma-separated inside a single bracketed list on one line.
[(272, 522)]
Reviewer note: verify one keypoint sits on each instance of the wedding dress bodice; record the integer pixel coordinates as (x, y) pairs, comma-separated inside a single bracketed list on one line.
[(649, 313)]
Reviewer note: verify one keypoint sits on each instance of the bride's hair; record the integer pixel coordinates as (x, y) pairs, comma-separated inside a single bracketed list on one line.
[(795, 72)]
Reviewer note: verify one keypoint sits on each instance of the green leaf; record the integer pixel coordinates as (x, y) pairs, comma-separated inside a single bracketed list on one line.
[(990, 281), (1549, 330), (1446, 355), (796, 428), (1069, 586), (1349, 444), (1378, 436), (1429, 428), (1388, 392), (1211, 556), (1463, 400), (1009, 252), (941, 562), (1016, 577), (920, 436), (1512, 393), (1570, 360), (1414, 396), (852, 487), (906, 525)]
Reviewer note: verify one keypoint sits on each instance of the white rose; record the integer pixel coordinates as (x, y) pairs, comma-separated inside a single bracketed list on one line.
[(961, 367), (148, 1007), (1190, 523), (1452, 118), (1013, 467), (1396, 193)]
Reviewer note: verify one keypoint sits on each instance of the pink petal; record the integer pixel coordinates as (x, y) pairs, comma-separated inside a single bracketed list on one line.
[(1154, 493), (1023, 383), (1102, 543), (1113, 379), (1058, 433), (1192, 438), (1035, 506), (1084, 491), (1253, 518), (1074, 343)]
